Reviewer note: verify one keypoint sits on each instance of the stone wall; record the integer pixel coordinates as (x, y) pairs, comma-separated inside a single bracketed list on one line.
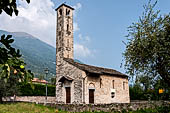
[(64, 33), (36, 99), (103, 85), (109, 107), (134, 105), (76, 85)]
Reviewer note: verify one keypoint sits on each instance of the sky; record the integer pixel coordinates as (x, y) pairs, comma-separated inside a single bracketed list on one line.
[(100, 26)]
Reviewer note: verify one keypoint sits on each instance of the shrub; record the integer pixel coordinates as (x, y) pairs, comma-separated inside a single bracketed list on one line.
[(36, 89)]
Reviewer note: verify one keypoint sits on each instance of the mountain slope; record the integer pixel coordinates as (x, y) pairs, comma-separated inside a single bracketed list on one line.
[(37, 54)]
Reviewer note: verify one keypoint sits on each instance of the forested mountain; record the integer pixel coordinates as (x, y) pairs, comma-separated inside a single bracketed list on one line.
[(37, 54)]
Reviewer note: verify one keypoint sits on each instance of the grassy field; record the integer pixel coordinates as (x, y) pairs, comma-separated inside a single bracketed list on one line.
[(25, 108)]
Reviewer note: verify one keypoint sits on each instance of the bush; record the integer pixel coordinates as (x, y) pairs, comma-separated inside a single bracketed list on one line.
[(36, 89)]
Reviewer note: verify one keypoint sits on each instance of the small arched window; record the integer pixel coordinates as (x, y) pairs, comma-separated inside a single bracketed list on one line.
[(113, 84), (124, 83), (67, 12), (100, 83), (67, 27), (60, 11), (91, 86)]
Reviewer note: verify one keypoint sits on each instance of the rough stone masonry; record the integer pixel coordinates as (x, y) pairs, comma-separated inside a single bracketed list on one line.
[(81, 83)]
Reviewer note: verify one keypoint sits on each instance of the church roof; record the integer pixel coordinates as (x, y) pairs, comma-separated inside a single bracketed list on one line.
[(95, 69), (65, 6)]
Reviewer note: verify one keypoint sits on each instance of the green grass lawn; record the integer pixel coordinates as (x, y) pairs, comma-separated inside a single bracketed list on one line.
[(25, 108)]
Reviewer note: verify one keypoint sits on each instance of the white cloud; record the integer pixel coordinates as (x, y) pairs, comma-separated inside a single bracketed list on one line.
[(87, 38), (77, 7), (84, 39), (82, 47), (39, 19), (36, 18), (76, 27), (80, 36), (81, 50)]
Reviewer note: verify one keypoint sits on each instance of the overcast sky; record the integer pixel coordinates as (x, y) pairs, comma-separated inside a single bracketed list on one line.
[(100, 26)]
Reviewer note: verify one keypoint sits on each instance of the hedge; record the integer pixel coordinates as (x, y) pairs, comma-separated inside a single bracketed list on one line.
[(36, 89)]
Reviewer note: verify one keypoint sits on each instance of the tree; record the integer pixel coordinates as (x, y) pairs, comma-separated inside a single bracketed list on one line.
[(136, 92), (9, 6), (41, 77), (145, 89), (147, 50), (146, 82), (12, 68), (53, 80)]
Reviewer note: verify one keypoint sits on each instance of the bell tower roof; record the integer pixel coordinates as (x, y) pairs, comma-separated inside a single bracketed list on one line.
[(65, 6)]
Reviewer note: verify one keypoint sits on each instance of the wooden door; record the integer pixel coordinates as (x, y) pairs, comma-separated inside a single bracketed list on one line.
[(68, 95), (91, 96)]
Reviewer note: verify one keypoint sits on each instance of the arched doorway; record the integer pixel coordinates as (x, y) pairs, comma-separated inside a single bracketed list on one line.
[(91, 93), (68, 95), (66, 84)]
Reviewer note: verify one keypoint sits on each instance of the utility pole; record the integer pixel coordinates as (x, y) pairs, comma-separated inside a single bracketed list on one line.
[(46, 73)]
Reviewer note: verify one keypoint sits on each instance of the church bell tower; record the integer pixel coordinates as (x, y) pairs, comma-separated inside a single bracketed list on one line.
[(64, 42), (64, 32)]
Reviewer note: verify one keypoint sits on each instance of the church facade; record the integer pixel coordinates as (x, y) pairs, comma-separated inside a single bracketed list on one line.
[(81, 83)]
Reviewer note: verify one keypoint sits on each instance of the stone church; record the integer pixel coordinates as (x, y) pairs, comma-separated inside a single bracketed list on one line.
[(81, 83)]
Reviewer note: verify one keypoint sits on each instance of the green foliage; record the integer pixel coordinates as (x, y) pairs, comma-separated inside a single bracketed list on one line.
[(53, 81), (9, 6), (12, 68), (147, 50), (136, 92), (41, 77), (139, 92), (10, 62), (37, 90), (9, 87)]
